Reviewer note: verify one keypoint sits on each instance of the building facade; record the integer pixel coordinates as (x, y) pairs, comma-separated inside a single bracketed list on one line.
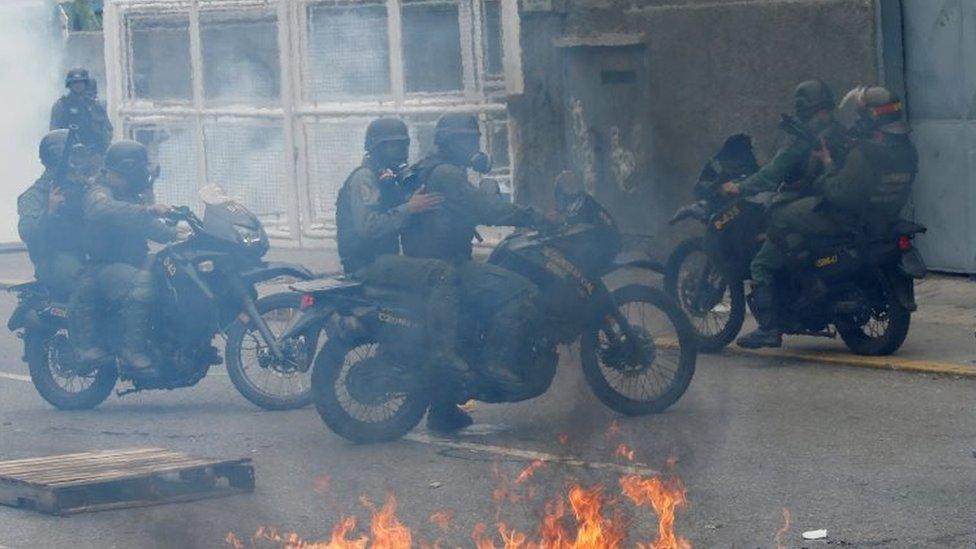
[(270, 97)]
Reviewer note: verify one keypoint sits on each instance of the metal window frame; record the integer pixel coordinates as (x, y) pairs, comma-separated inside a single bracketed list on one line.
[(296, 110)]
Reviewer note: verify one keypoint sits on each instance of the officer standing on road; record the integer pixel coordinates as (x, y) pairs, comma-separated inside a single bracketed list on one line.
[(794, 166), (50, 214), (507, 298), (78, 109), (371, 210), (119, 218)]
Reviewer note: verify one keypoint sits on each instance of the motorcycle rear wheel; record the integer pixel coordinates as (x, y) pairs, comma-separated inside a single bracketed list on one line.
[(340, 403), (54, 380), (715, 328), (257, 381), (886, 330), (670, 341)]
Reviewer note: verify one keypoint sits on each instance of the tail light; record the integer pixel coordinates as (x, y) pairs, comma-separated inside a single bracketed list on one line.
[(904, 243), (308, 301)]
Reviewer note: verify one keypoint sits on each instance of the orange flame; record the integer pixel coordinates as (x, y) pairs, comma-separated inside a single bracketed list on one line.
[(664, 496), (782, 531), (388, 532), (527, 473), (625, 452), (613, 430), (564, 439), (442, 519)]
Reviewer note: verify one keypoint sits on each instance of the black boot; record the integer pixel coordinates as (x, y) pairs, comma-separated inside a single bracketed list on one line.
[(82, 325), (446, 417), (765, 308), (135, 336)]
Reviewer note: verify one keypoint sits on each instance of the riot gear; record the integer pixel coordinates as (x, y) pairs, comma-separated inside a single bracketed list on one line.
[(76, 75), (811, 97), (457, 136), (385, 130), (51, 148), (453, 125), (129, 159)]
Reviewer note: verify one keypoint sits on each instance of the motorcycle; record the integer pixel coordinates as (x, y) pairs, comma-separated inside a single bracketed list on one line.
[(637, 348), (860, 286), (206, 284)]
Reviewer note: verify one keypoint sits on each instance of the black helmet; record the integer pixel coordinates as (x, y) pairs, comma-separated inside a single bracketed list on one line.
[(455, 124), (810, 97), (51, 148), (76, 75), (129, 159), (384, 130)]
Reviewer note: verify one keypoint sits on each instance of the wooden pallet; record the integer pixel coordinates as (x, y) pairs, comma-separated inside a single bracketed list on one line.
[(114, 479)]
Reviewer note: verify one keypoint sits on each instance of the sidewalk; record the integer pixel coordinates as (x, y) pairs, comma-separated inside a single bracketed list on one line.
[(940, 341)]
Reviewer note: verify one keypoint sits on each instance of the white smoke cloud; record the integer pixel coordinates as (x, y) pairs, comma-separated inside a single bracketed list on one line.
[(30, 64)]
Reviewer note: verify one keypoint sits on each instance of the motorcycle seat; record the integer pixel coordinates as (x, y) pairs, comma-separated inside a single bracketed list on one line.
[(908, 228)]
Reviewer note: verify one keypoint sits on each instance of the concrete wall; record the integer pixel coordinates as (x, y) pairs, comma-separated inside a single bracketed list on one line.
[(715, 68)]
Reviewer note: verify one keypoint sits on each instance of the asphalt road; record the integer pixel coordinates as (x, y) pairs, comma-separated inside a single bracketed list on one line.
[(878, 458)]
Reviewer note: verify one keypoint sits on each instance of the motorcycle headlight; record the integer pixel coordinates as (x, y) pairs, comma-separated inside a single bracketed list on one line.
[(249, 236)]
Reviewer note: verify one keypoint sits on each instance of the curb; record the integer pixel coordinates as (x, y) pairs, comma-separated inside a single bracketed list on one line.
[(859, 361), (7, 283)]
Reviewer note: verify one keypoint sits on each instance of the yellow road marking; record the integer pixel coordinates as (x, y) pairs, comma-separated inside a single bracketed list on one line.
[(876, 362), (530, 455)]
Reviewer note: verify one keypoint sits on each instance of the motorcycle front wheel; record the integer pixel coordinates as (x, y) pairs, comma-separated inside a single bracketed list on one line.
[(361, 397), (57, 376), (717, 317), (650, 381), (259, 376)]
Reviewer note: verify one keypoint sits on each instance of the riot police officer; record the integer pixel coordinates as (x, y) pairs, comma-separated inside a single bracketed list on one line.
[(78, 109), (794, 168), (508, 299), (863, 191), (50, 213), (371, 210), (119, 219)]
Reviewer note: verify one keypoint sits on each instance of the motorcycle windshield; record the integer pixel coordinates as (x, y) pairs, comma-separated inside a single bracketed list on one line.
[(229, 221)]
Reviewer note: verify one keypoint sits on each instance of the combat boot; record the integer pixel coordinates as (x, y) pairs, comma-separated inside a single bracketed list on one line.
[(135, 335), (447, 417), (765, 309)]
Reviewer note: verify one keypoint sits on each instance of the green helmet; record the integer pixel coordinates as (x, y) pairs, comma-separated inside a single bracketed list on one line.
[(454, 124), (129, 159), (76, 75), (51, 147), (384, 130), (810, 97)]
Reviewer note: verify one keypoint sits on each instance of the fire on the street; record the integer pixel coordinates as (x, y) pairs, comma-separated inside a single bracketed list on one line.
[(585, 518)]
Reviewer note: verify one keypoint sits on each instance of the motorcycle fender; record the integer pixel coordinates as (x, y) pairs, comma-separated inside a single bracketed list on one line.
[(308, 319), (904, 288), (24, 316), (912, 264), (274, 269)]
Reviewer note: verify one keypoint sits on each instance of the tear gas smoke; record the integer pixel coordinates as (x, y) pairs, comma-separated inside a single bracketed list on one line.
[(31, 65)]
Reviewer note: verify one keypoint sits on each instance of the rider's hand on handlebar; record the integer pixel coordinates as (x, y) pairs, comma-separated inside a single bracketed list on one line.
[(730, 188), (422, 201), (159, 210)]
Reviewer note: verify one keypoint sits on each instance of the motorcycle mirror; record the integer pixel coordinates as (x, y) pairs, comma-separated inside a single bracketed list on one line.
[(490, 186)]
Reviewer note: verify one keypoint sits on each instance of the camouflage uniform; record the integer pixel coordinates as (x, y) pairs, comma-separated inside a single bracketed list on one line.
[(53, 239), (370, 215), (94, 128), (488, 292), (117, 226)]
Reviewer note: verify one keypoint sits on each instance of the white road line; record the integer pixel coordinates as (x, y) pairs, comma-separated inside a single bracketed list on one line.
[(15, 377), (530, 455)]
